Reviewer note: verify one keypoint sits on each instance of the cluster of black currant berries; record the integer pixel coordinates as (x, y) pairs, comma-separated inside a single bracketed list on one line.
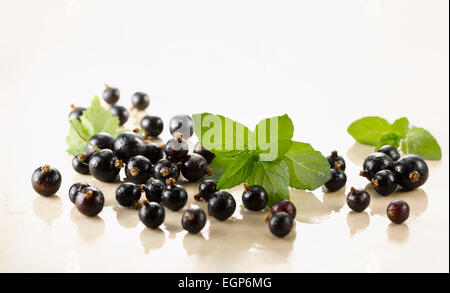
[(338, 177)]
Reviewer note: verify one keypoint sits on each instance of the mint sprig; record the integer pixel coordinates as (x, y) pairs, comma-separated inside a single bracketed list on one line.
[(266, 156), (94, 119), (377, 131)]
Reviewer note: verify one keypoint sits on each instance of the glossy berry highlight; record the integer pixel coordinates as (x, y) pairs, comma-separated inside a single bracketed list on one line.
[(284, 205), (398, 211), (76, 112), (384, 182), (80, 164), (165, 169), (336, 161), (337, 181), (174, 197), (206, 189), (128, 194), (75, 189), (358, 200), (193, 220), (138, 169), (411, 172), (221, 205), (111, 95), (140, 100), (153, 191), (254, 197), (46, 180), (374, 163), (102, 140), (153, 125), (152, 214), (195, 168), (154, 152), (120, 112), (280, 224), (177, 148), (390, 151), (127, 145), (90, 201), (200, 150), (105, 166)]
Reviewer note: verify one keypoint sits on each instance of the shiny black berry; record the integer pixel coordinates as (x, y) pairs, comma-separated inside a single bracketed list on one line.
[(374, 163), (280, 224), (411, 172), (284, 205), (90, 201), (46, 180), (193, 220), (152, 214), (206, 189), (208, 155), (140, 100), (76, 112), (153, 191), (153, 125), (254, 197), (154, 152), (384, 182), (391, 151), (194, 168), (80, 164), (337, 181), (182, 124), (105, 166), (102, 140), (128, 194), (165, 169), (120, 112), (127, 145), (177, 148), (358, 200), (138, 169), (336, 161), (74, 189), (111, 94), (221, 205), (398, 211), (174, 197)]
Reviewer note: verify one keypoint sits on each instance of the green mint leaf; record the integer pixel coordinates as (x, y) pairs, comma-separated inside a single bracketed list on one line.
[(420, 142), (221, 134), (389, 139), (308, 168), (218, 166), (275, 141), (274, 177), (369, 130), (400, 127), (94, 119), (238, 171)]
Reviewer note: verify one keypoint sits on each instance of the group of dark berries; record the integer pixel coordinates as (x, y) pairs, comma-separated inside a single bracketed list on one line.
[(338, 177), (386, 170), (88, 200)]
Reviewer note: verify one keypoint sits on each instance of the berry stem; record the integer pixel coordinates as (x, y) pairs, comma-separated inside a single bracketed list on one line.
[(82, 137)]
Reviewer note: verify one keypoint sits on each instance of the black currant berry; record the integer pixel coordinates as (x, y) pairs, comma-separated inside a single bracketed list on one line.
[(154, 152), (153, 191), (174, 197), (140, 100), (152, 214), (90, 201), (206, 189), (391, 151), (411, 172), (120, 112), (102, 140), (336, 161), (127, 145), (46, 180), (80, 163), (111, 95), (177, 148), (337, 181), (193, 220), (208, 155), (74, 189), (138, 169), (105, 166), (358, 200), (165, 169), (384, 182), (374, 163), (194, 168), (254, 198), (153, 125), (76, 112), (280, 224), (398, 211), (128, 194), (182, 124), (284, 205), (221, 205)]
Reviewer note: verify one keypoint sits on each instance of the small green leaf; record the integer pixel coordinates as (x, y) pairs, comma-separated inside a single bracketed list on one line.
[(274, 177), (238, 171), (75, 145), (400, 127), (308, 168), (389, 139), (218, 166), (369, 130), (273, 137), (420, 142)]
